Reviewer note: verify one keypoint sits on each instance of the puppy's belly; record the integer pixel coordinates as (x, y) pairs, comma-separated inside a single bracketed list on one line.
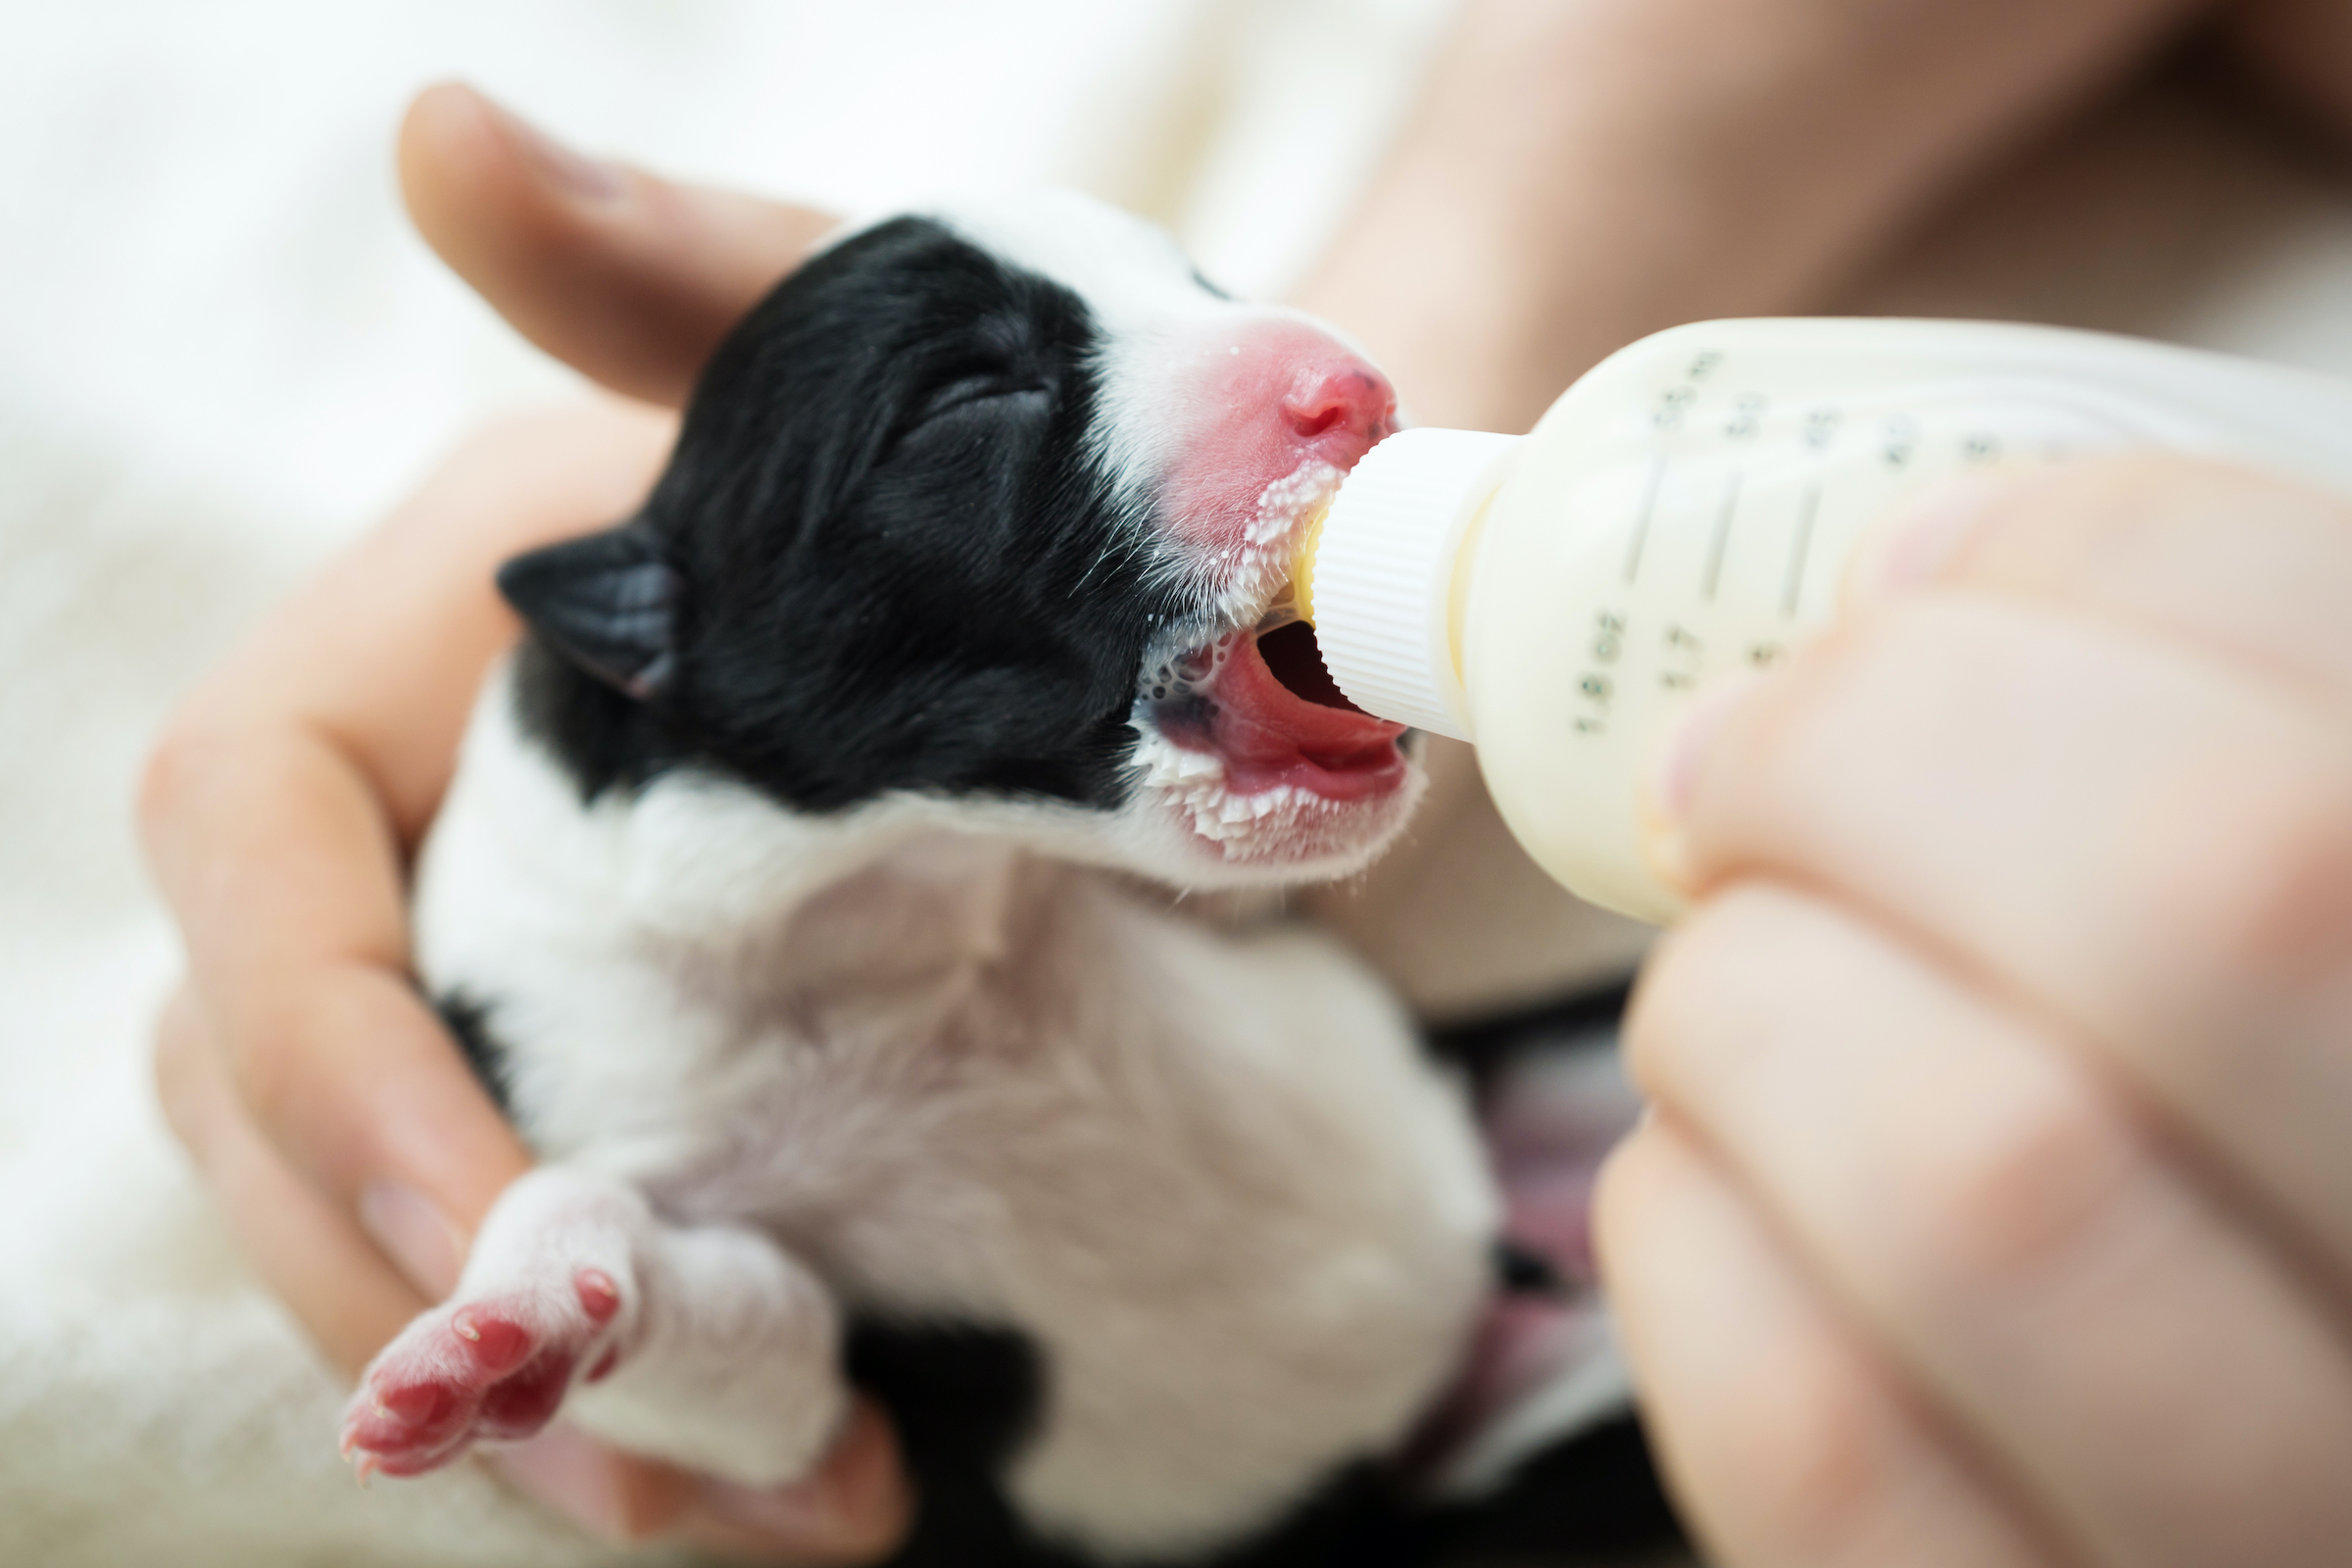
[(1243, 1258), (1211, 1178)]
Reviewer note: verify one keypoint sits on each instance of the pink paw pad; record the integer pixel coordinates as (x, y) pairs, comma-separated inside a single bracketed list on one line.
[(499, 1346), (488, 1370)]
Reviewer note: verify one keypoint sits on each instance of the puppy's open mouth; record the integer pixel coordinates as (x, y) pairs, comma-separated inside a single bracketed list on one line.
[(1270, 711), (1250, 724)]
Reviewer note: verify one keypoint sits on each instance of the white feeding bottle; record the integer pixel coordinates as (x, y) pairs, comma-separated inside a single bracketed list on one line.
[(1688, 507)]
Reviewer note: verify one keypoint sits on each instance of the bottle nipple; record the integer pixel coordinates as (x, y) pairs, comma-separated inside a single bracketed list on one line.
[(1302, 564)]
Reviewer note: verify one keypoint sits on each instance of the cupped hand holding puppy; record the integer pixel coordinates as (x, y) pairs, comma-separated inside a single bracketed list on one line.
[(348, 1142), (1499, 255), (1996, 1207)]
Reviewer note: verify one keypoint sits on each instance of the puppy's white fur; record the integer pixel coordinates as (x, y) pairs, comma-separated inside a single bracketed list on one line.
[(938, 1062), (957, 1079)]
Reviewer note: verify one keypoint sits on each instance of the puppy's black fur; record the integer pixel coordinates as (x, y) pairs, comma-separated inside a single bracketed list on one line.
[(884, 469), (884, 557), (961, 1398)]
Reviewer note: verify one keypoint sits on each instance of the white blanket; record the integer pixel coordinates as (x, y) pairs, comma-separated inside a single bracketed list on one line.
[(221, 354)]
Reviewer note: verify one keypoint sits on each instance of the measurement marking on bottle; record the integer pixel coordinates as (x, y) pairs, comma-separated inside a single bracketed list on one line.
[(1748, 418), (1806, 510), (1901, 441), (1649, 504), (1722, 535)]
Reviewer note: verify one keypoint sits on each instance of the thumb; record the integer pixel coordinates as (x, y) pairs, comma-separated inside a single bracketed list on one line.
[(626, 277)]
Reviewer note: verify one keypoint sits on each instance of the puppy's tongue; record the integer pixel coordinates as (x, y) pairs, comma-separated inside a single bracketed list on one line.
[(1296, 659), (1298, 731)]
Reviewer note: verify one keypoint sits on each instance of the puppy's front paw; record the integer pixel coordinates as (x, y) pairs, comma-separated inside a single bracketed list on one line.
[(487, 1367)]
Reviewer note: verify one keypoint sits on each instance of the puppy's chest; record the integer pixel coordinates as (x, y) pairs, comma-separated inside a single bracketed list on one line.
[(1208, 1173), (917, 1142), (1107, 1136), (945, 1093)]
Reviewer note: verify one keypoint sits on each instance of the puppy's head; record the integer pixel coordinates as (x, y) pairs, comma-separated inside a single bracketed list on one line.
[(998, 507)]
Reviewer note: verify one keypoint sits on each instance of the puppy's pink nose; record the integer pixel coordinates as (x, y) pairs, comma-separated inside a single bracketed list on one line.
[(1352, 397)]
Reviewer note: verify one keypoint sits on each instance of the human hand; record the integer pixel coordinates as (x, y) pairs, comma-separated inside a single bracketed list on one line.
[(346, 1142), (1577, 176), (1996, 1207)]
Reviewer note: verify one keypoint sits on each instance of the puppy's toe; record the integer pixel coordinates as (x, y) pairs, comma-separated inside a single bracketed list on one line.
[(493, 1368)]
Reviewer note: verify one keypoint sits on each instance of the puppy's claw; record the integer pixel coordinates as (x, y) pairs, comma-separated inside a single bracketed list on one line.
[(599, 1296)]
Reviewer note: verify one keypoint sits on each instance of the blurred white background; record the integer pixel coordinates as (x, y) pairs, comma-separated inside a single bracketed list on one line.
[(200, 240), (221, 352)]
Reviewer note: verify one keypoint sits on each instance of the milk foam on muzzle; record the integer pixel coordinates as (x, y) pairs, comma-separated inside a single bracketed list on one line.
[(1689, 508)]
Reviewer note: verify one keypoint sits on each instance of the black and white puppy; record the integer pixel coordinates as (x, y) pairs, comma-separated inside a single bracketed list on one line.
[(803, 894)]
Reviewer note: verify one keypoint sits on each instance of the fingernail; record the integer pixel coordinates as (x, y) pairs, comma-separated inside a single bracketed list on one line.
[(429, 1249), (1667, 794), (1918, 544), (579, 176), (569, 1473), (1687, 746)]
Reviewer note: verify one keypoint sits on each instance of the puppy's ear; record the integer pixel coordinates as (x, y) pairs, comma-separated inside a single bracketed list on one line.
[(609, 603)]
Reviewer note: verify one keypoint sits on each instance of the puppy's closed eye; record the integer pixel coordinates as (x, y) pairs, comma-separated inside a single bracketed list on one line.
[(959, 396)]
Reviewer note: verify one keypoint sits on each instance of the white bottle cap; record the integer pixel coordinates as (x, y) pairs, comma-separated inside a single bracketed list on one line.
[(1384, 572)]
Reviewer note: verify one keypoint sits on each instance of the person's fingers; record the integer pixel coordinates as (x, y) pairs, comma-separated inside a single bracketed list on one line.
[(311, 1255), (612, 1496), (627, 277), (2141, 840), (306, 1249), (323, 1101), (274, 853), (315, 1259), (382, 655), (1976, 1195), (279, 807), (856, 1509), (1779, 1431), (2248, 566)]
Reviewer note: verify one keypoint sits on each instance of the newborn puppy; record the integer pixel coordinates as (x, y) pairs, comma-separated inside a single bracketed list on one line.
[(802, 893)]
